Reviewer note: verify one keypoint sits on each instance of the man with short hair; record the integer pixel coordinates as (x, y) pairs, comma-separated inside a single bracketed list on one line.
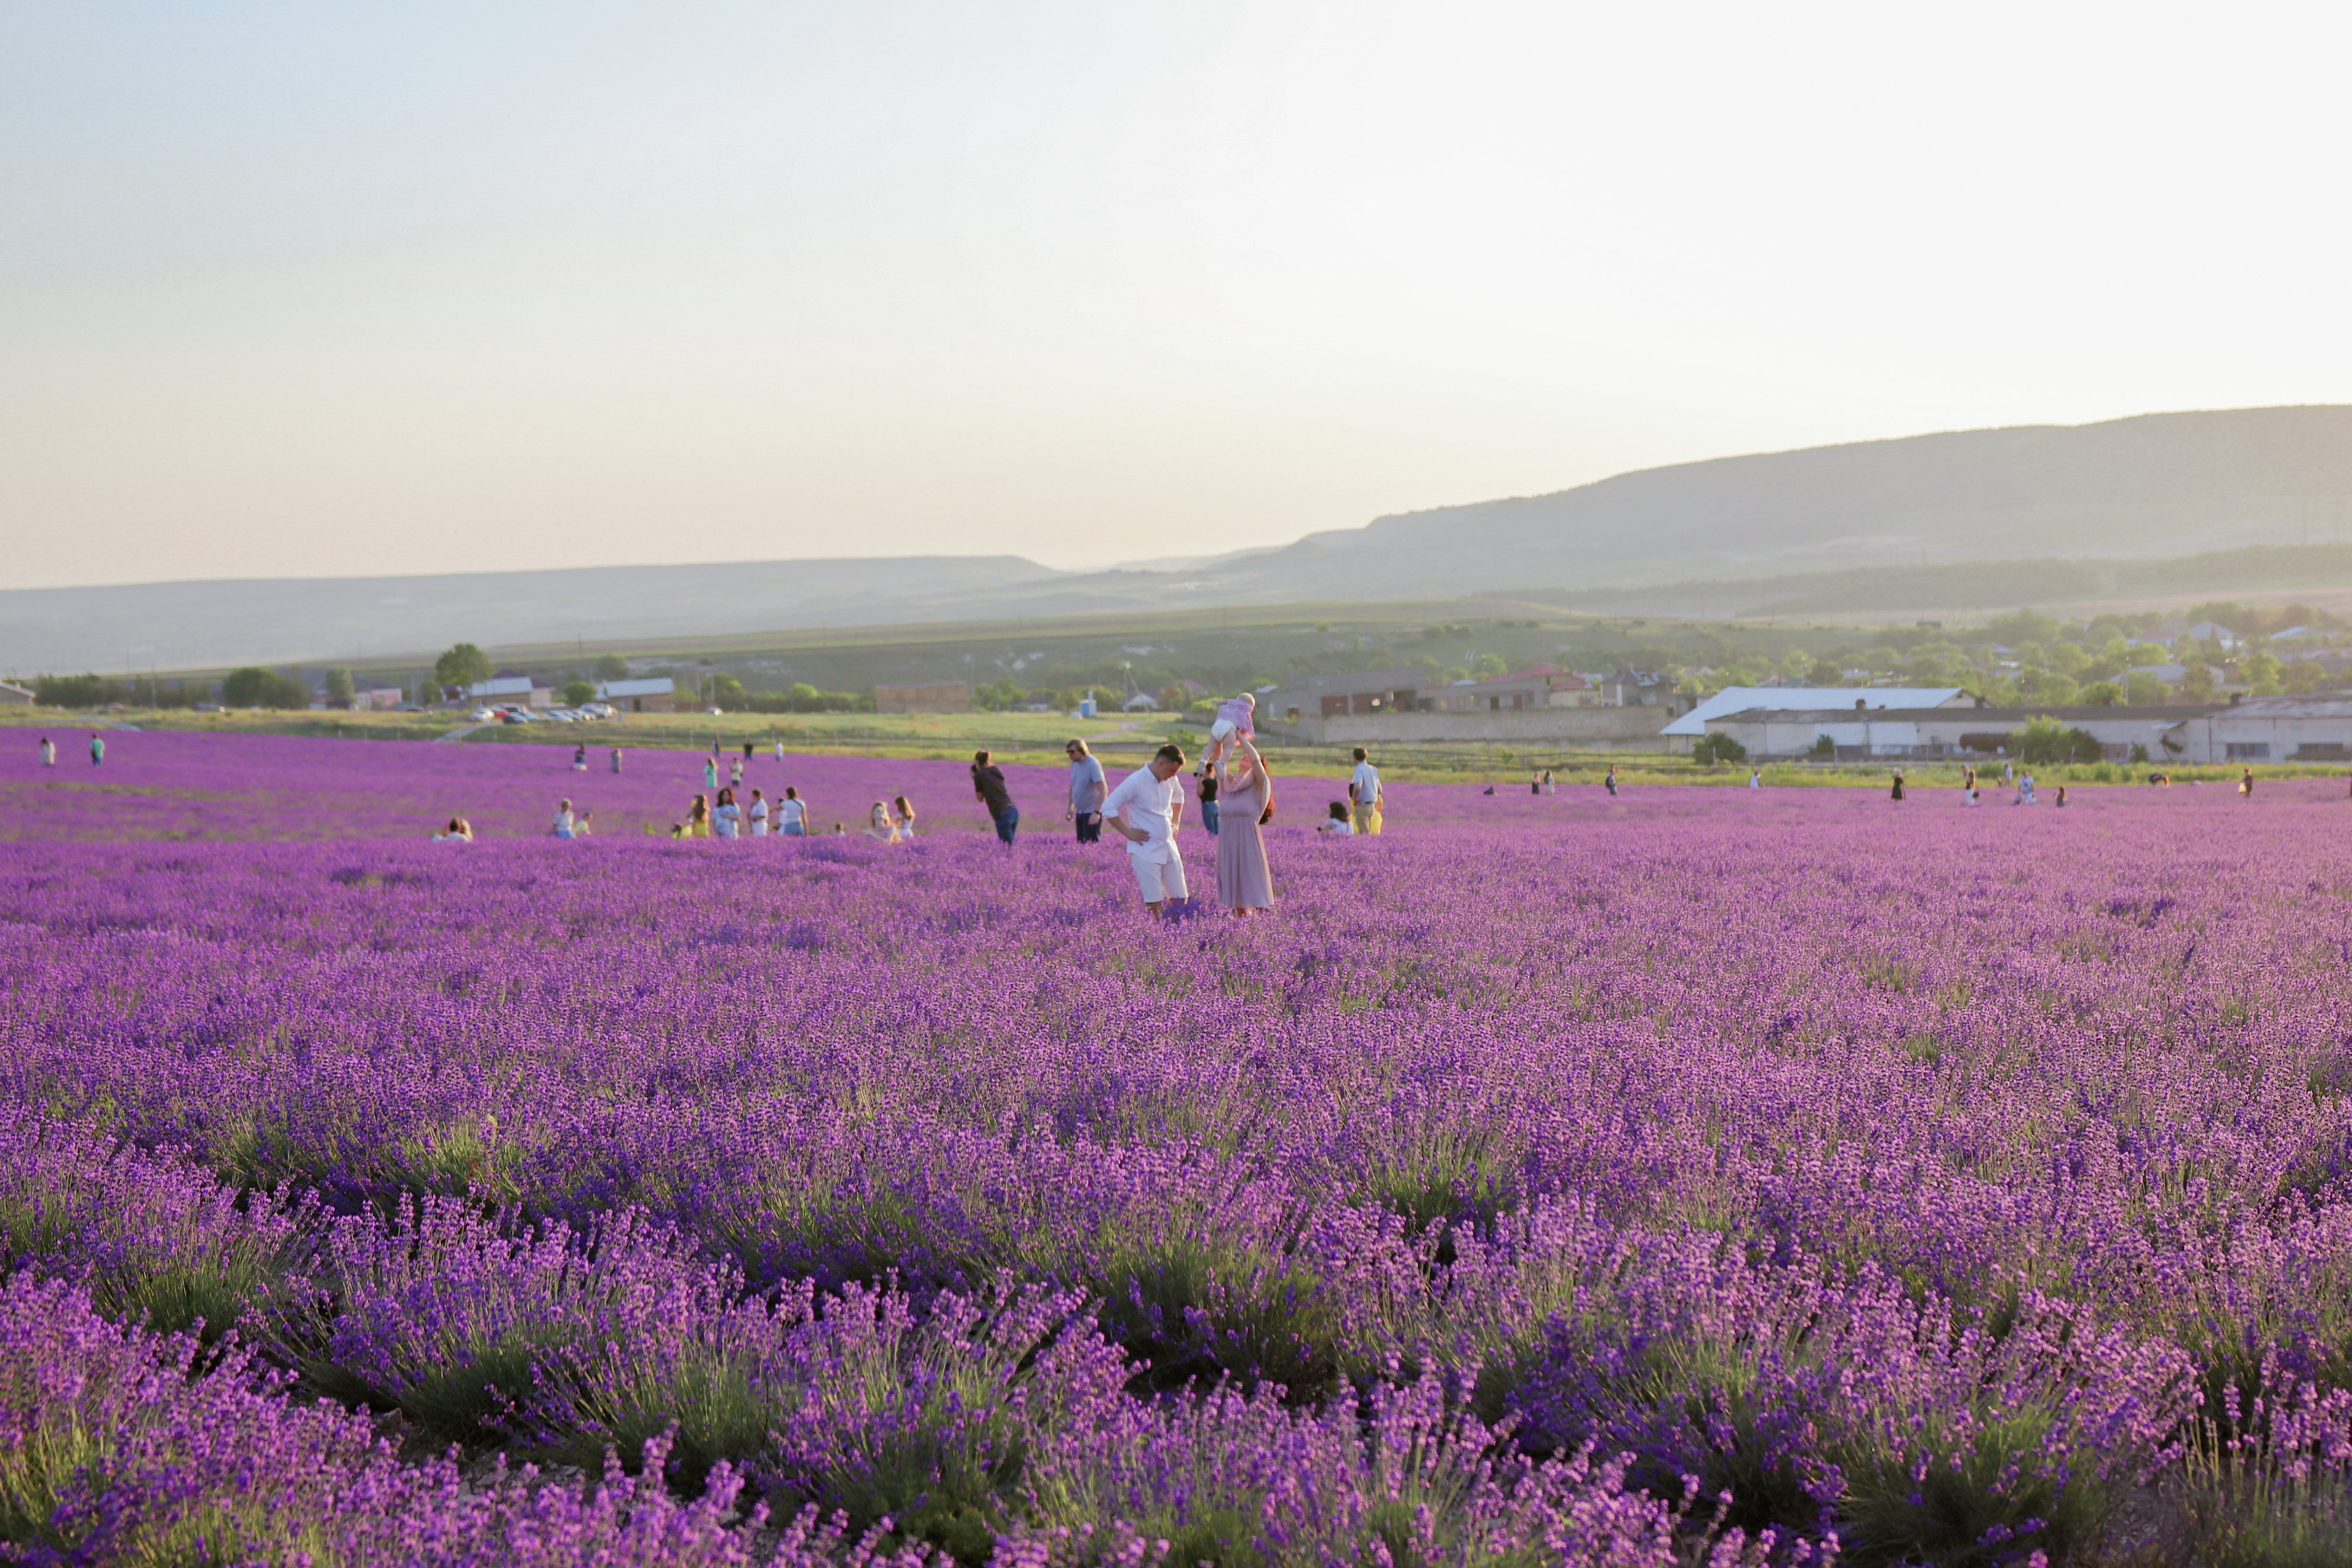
[(1145, 810), (1364, 791), (988, 788), (1086, 791)]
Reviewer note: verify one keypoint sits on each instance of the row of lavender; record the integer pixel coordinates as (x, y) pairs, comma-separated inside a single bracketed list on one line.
[(1959, 1187)]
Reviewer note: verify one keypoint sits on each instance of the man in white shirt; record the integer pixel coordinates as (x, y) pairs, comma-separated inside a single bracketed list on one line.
[(1145, 810), (1364, 791)]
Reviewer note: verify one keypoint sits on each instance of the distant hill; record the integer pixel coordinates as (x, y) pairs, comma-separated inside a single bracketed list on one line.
[(2160, 484), (1976, 518), (284, 620)]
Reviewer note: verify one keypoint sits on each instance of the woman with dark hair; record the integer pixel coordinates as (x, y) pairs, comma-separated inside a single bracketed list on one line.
[(697, 818), (1899, 783), (1245, 799), (727, 814), (1337, 822), (906, 816)]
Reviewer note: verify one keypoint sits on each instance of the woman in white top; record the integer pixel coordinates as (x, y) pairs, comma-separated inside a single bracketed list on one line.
[(459, 831), (48, 752), (727, 816), (735, 774), (791, 813), (1337, 821), (563, 825), (879, 825), (905, 817), (759, 816)]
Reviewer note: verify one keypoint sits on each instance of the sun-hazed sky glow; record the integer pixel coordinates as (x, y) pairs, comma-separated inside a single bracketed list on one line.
[(293, 290)]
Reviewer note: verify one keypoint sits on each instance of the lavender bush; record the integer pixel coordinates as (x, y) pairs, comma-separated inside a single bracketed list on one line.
[(1706, 1176)]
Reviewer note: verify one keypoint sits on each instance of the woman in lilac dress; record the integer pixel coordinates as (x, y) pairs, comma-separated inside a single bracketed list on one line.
[(1244, 794)]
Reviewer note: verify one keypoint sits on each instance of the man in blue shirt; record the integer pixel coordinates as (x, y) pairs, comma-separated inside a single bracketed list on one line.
[(1087, 792)]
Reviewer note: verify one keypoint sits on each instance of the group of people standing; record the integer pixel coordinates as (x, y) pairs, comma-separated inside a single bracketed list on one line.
[(1146, 808), (97, 751)]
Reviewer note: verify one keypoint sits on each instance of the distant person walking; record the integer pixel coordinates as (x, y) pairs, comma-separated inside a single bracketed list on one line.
[(988, 788), (1086, 791), (1364, 792), (1755, 778), (791, 814), (906, 816), (735, 774), (1245, 792), (48, 752), (97, 749), (711, 773), (580, 758), (2246, 784), (758, 815), (1898, 785), (1549, 787), (1609, 781), (727, 816), (561, 826), (616, 759), (1145, 809), (747, 751), (779, 753)]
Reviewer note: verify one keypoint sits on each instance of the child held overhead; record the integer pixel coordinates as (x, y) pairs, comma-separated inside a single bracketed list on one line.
[(1235, 716)]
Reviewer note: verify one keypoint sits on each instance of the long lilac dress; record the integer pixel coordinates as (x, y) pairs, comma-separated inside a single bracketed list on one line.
[(1243, 880)]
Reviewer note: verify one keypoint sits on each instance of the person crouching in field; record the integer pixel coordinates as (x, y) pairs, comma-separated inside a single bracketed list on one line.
[(1146, 810), (988, 788)]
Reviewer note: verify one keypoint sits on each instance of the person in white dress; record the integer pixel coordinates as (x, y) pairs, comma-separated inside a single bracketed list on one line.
[(48, 752), (1145, 809), (727, 817)]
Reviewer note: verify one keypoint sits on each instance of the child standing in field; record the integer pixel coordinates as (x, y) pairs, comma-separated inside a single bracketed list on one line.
[(1207, 789)]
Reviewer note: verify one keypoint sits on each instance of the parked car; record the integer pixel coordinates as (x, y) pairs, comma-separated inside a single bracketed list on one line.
[(482, 715)]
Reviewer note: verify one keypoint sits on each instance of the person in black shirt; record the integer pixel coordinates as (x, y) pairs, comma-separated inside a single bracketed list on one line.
[(1208, 792), (988, 788)]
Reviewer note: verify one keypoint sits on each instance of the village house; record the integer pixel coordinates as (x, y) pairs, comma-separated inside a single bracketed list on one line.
[(1539, 686), (647, 694), (931, 696), (1959, 731), (2261, 730), (1805, 699), (15, 696)]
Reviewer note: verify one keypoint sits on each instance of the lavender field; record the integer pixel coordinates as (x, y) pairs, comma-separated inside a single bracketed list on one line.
[(1699, 1177)]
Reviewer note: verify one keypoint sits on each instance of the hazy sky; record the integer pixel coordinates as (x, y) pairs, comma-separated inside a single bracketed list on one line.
[(339, 288)]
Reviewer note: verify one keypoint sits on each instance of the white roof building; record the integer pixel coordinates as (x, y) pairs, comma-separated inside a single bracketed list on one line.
[(651, 686), (1749, 699), (501, 686)]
